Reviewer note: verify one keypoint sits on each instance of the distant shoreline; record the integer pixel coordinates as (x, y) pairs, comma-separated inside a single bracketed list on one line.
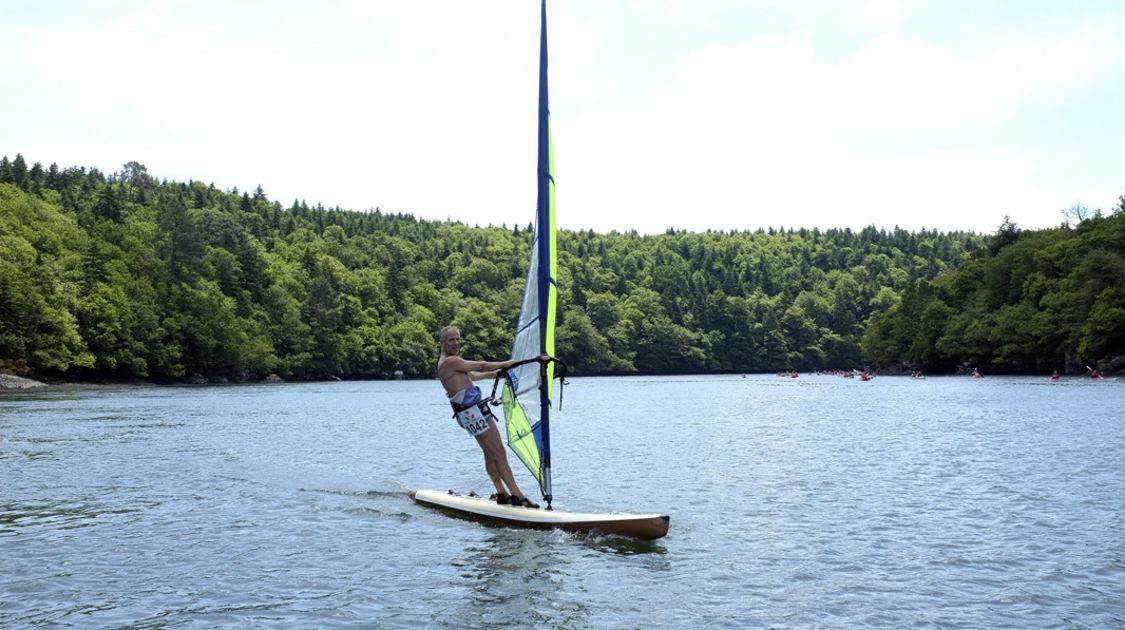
[(18, 383), (8, 381), (11, 382)]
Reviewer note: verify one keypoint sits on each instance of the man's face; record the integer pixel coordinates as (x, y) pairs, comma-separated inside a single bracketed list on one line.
[(451, 344)]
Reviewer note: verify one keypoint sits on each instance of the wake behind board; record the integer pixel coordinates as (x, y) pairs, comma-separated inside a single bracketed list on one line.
[(642, 526)]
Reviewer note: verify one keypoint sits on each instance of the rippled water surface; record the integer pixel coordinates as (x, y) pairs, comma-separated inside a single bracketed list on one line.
[(809, 502)]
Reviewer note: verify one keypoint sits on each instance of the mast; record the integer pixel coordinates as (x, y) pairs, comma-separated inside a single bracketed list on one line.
[(545, 220)]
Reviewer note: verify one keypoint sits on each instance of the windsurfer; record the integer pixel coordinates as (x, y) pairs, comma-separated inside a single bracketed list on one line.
[(457, 375)]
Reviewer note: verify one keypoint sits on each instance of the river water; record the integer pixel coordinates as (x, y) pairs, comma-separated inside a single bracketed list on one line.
[(816, 502)]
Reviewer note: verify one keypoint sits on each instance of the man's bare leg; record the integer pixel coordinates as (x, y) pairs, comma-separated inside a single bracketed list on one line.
[(496, 461)]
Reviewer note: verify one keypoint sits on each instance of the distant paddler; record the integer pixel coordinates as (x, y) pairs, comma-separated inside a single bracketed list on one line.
[(474, 415)]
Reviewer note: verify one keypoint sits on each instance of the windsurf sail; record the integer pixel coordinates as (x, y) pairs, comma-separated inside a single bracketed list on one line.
[(527, 393)]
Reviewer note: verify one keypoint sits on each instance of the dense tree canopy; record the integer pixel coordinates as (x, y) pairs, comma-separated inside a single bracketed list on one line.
[(123, 275), (1034, 301)]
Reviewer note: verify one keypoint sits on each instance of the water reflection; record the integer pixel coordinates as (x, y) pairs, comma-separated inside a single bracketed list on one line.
[(513, 578), (528, 577), (40, 516), (626, 547)]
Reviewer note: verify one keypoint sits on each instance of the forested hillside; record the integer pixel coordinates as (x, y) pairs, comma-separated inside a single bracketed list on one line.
[(1033, 302), (124, 275)]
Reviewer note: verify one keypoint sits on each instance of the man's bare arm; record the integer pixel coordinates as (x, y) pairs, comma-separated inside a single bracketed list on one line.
[(480, 376), (458, 364)]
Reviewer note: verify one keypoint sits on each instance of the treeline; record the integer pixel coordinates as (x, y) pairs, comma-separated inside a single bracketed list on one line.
[(1034, 302), (124, 275)]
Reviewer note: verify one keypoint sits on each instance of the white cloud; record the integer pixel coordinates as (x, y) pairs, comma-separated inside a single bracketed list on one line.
[(402, 117), (883, 13), (766, 134), (429, 108)]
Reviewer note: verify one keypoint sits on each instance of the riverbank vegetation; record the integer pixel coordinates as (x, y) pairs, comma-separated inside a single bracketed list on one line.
[(127, 276), (1033, 302)]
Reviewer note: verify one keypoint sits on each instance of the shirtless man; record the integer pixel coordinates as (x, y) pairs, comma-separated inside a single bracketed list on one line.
[(457, 376)]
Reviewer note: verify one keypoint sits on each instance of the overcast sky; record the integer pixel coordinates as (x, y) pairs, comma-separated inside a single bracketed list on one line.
[(692, 114)]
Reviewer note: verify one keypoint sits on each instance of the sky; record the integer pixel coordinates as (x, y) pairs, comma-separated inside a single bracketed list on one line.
[(687, 114)]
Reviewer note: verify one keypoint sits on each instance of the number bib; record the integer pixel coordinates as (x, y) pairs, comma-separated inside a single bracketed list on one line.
[(474, 419)]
